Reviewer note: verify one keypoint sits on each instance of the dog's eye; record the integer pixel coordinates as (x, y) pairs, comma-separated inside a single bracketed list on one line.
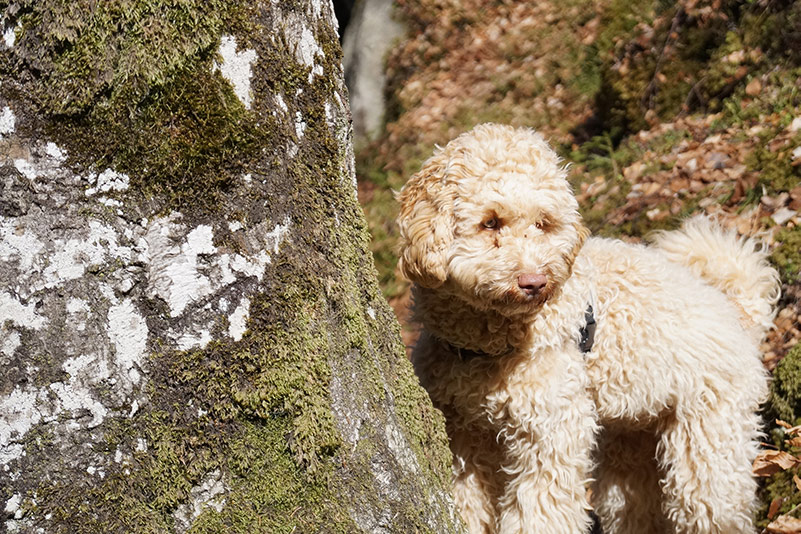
[(491, 223), (543, 224)]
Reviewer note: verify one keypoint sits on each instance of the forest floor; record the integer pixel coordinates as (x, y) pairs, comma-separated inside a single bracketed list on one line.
[(663, 110)]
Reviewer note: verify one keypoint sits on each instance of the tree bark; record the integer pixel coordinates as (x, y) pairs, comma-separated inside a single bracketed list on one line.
[(191, 334)]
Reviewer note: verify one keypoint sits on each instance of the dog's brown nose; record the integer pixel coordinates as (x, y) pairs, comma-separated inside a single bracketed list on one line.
[(531, 283)]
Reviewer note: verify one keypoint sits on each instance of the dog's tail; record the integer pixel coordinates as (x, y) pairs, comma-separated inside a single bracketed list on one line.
[(737, 266)]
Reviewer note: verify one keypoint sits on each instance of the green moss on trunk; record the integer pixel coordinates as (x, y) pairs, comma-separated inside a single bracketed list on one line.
[(131, 85)]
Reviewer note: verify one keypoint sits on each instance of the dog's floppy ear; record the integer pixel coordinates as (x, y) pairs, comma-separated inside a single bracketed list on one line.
[(426, 225), (583, 233)]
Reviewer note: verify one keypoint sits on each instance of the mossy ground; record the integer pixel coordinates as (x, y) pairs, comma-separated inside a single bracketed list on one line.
[(787, 255), (785, 404)]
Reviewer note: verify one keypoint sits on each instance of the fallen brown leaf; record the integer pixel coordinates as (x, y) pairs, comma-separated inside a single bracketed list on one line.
[(785, 524), (770, 462), (795, 195), (775, 504)]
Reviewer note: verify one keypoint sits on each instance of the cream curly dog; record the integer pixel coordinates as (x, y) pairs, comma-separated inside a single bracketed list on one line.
[(658, 416)]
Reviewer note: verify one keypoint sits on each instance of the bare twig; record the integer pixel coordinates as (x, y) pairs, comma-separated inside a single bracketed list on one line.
[(651, 90), (693, 91), (793, 509)]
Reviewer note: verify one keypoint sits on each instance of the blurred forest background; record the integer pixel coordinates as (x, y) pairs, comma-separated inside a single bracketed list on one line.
[(662, 109)]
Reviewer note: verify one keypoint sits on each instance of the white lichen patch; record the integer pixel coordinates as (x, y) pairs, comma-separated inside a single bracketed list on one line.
[(185, 268), (13, 505), (201, 240), (73, 256), (316, 10), (39, 259), (174, 269), (291, 150), (275, 236), (9, 342), (85, 365), (10, 36), (107, 181), (76, 305), (237, 321), (53, 150), (307, 47), (96, 471), (401, 449), (75, 287), (343, 131), (279, 101), (300, 125), (253, 266), (19, 414), (128, 332), (111, 203), (8, 121), (18, 243), (23, 315), (304, 43), (193, 340), (77, 399), (25, 168), (61, 274), (184, 272), (46, 165), (236, 67), (209, 494)]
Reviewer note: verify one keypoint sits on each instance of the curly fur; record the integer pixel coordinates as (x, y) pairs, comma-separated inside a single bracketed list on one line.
[(659, 418)]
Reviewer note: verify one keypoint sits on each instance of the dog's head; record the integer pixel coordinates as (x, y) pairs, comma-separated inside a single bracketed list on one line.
[(491, 219)]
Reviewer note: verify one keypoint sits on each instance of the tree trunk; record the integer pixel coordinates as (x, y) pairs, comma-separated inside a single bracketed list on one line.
[(191, 335)]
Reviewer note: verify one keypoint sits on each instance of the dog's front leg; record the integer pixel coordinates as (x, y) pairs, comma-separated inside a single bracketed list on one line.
[(548, 440), (477, 482)]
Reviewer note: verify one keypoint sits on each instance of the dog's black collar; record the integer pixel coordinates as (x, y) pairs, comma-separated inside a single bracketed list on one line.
[(586, 340), (587, 333), (468, 354)]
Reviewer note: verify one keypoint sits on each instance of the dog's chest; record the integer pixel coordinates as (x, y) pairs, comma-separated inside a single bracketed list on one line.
[(487, 391)]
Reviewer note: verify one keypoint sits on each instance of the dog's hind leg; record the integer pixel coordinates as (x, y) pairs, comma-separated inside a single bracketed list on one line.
[(626, 494), (706, 457), (477, 483)]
